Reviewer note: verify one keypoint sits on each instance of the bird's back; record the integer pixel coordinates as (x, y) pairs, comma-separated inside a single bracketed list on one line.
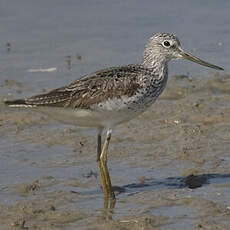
[(91, 89), (122, 92)]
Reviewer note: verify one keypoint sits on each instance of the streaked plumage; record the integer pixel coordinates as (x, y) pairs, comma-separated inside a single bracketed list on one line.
[(111, 96), (126, 90), (96, 88)]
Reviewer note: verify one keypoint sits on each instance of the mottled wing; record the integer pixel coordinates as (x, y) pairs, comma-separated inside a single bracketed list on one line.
[(53, 98), (91, 89)]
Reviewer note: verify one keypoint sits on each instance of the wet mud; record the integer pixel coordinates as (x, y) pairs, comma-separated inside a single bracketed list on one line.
[(170, 167)]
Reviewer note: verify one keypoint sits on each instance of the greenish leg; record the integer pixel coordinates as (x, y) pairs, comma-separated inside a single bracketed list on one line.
[(98, 146), (101, 169), (103, 161)]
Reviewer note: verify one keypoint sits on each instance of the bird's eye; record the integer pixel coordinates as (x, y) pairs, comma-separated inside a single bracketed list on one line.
[(166, 44)]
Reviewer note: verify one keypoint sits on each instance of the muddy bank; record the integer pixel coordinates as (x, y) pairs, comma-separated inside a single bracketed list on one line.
[(170, 166)]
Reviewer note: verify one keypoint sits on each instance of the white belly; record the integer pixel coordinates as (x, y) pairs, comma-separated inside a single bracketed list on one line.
[(88, 118)]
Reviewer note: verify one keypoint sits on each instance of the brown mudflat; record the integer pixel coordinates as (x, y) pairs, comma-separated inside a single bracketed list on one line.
[(170, 166)]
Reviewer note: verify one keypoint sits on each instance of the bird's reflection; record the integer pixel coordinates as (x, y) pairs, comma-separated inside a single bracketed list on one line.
[(108, 209)]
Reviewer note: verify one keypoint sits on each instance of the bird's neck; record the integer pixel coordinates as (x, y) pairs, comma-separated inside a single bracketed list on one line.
[(157, 64)]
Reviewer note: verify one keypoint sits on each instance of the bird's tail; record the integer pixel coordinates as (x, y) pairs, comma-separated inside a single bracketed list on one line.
[(17, 103)]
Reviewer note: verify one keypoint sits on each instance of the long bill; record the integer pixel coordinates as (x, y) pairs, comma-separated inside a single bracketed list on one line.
[(192, 58)]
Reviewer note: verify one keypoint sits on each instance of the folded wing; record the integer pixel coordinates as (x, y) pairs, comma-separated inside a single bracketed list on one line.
[(91, 89)]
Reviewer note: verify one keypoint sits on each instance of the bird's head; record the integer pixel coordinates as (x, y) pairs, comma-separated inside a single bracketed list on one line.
[(163, 47)]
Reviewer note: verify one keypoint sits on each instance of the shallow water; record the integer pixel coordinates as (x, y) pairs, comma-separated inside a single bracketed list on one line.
[(172, 176), (169, 167)]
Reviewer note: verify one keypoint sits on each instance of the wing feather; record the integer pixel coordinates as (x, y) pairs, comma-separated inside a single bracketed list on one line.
[(94, 88)]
